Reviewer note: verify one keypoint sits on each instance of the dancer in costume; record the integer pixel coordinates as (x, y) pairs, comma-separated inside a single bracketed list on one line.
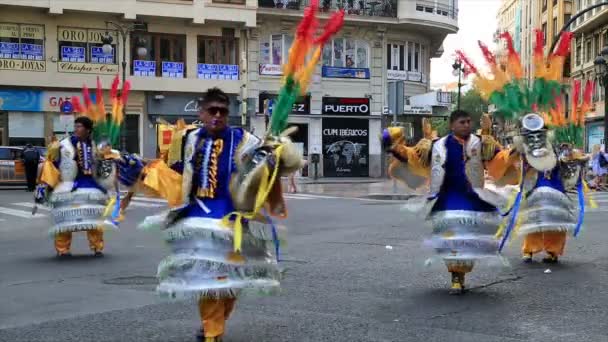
[(551, 162), (224, 188), (77, 174), (463, 215)]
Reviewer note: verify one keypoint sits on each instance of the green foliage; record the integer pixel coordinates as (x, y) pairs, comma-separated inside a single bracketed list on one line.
[(473, 103), (441, 125)]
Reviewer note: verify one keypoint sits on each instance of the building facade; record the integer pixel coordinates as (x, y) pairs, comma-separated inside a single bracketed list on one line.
[(179, 48), (591, 36)]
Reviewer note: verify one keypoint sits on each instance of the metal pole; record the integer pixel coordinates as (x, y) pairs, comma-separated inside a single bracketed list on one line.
[(605, 81), (459, 86), (123, 137)]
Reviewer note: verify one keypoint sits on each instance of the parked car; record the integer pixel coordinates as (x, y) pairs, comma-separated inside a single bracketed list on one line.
[(12, 167)]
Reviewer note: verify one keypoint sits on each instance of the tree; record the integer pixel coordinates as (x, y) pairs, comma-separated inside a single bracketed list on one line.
[(472, 102)]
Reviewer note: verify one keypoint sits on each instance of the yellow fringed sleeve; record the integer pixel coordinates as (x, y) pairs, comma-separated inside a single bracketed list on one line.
[(503, 166), (50, 174), (164, 181), (417, 157)]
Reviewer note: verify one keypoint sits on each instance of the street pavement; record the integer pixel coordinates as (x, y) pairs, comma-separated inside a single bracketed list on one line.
[(355, 272)]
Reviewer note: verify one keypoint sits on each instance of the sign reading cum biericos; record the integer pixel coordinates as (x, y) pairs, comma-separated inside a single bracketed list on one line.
[(345, 106)]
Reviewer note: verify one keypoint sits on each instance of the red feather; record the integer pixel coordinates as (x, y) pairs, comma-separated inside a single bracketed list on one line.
[(126, 88), (588, 93), (99, 91), (114, 88), (334, 24), (87, 97), (510, 48), (563, 48), (576, 92), (487, 54), (540, 43), (469, 67), (308, 24), (77, 106)]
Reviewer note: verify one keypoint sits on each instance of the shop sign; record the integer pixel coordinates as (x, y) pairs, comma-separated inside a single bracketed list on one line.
[(22, 65), (398, 75), (345, 106), (21, 100), (345, 147), (301, 106), (271, 69), (87, 68), (336, 72), (217, 72)]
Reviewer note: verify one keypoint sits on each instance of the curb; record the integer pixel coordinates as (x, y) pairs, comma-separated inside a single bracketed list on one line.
[(389, 197), (338, 182)]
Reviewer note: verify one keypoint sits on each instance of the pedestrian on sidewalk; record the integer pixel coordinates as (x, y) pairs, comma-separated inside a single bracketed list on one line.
[(31, 159), (599, 166)]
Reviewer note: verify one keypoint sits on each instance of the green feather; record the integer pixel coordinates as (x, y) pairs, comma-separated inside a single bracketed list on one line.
[(288, 95)]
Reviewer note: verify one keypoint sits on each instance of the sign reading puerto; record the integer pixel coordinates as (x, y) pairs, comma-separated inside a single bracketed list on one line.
[(345, 106)]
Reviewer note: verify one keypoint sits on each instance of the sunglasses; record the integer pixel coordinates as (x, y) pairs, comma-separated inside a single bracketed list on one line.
[(214, 110)]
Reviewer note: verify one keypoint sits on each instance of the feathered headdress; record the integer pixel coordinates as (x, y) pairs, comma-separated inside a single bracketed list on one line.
[(105, 128), (505, 86), (297, 72), (571, 129)]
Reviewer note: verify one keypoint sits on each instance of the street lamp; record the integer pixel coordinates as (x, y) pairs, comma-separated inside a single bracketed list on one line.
[(458, 71), (601, 72), (124, 30)]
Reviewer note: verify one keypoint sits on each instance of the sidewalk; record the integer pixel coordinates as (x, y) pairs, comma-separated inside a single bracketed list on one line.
[(380, 188)]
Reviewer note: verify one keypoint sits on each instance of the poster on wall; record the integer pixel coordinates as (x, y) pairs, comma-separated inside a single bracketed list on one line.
[(345, 147), (595, 136)]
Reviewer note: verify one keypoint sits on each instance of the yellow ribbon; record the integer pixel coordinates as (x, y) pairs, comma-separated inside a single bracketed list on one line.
[(588, 196), (261, 196), (109, 207)]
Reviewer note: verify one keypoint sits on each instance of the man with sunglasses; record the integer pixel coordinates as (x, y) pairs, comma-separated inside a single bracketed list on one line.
[(221, 245)]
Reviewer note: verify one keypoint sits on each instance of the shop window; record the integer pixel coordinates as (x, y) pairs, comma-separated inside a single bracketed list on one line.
[(348, 53), (160, 55), (274, 49), (77, 45), (218, 58), (26, 127), (22, 41)]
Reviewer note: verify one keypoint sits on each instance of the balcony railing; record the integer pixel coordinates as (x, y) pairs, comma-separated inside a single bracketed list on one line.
[(436, 8), (378, 8)]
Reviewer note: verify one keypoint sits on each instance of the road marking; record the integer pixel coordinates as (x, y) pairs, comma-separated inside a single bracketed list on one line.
[(147, 199), (145, 205), (19, 213), (30, 205)]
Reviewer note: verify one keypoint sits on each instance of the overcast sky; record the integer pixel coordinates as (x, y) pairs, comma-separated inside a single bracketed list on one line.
[(476, 21)]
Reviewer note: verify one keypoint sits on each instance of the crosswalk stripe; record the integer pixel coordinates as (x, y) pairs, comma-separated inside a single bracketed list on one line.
[(144, 205), (30, 205), (19, 213), (147, 199)]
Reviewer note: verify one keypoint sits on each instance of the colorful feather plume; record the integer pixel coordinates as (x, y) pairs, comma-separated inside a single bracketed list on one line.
[(105, 128), (505, 87), (297, 72), (571, 129)]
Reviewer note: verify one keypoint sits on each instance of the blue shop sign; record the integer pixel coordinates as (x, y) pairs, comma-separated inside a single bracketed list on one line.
[(173, 69), (21, 100), (337, 72), (9, 50), (97, 56), (218, 71), (144, 68), (32, 51), (72, 54)]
